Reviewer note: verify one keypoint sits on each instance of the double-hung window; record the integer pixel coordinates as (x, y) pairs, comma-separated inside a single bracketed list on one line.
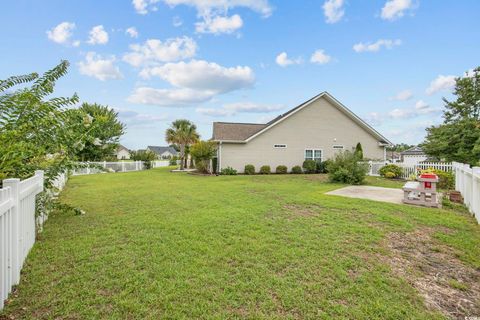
[(313, 154)]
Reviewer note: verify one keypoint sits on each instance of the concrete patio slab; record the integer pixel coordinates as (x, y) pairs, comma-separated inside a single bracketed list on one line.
[(371, 193)]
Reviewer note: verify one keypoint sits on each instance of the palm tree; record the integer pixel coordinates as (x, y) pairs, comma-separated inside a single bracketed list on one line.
[(182, 132)]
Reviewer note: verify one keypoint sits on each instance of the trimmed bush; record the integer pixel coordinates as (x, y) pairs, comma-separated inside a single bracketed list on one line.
[(228, 171), (249, 169), (393, 171), (297, 170), (281, 169), (346, 168), (265, 170), (309, 166), (322, 166)]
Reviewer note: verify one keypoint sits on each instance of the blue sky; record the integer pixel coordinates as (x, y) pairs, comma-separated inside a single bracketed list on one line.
[(389, 61)]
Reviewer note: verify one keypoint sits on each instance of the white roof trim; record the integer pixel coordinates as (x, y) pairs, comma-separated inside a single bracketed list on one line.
[(336, 103)]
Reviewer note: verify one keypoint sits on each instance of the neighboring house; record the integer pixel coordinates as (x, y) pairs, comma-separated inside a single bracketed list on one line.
[(122, 153), (413, 155), (316, 129), (163, 152), (393, 156)]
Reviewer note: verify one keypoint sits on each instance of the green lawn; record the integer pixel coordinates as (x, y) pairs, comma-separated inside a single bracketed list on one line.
[(161, 245)]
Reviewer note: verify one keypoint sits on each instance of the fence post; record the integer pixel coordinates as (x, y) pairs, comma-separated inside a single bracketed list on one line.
[(105, 164), (123, 166), (16, 242), (476, 192)]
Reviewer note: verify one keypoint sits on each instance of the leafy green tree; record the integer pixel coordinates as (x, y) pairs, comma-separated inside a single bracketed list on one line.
[(182, 133), (104, 136), (202, 152), (458, 138), (36, 132)]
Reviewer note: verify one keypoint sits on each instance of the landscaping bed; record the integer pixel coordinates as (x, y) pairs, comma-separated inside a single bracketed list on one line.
[(154, 244)]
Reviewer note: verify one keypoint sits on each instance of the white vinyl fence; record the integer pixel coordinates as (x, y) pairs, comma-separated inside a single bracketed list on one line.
[(17, 228), (467, 182), (409, 169), (123, 166)]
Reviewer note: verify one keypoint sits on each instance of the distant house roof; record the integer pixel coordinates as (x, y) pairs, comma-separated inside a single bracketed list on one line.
[(413, 151), (231, 131), (121, 147), (244, 132), (161, 150)]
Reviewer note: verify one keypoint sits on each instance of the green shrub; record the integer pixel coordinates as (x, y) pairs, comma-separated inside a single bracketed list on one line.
[(297, 170), (249, 169), (446, 180), (265, 170), (390, 175), (392, 169), (322, 166), (228, 171), (173, 161), (281, 169), (309, 166), (346, 168)]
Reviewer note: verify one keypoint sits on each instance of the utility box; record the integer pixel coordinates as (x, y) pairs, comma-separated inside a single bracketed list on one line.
[(422, 192)]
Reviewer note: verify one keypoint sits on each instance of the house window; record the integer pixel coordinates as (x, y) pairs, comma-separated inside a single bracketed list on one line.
[(280, 146), (338, 147), (313, 154)]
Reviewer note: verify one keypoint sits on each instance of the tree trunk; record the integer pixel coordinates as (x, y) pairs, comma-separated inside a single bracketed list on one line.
[(182, 156)]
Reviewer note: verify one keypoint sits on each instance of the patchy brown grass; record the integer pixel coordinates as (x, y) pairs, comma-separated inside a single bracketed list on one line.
[(446, 284)]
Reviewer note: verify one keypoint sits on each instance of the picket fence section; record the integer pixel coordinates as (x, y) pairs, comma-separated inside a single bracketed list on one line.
[(17, 228), (121, 166), (467, 182), (410, 169)]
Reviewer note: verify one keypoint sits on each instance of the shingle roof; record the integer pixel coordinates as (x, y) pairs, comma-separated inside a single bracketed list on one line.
[(230, 131), (243, 132), (413, 151), (160, 150)]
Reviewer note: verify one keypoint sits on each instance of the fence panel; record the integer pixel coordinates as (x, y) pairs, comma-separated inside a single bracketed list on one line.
[(467, 182), (17, 228)]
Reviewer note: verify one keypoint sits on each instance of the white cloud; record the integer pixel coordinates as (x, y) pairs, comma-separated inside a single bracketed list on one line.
[(132, 32), (239, 107), (61, 33), (376, 46), (76, 43), (144, 6), (100, 68), (177, 21), (283, 60), (221, 6), (194, 82), (320, 57), (441, 83), (401, 114), (135, 119), (403, 95), (203, 75), (98, 35), (374, 118), (421, 105), (394, 9), (154, 51), (168, 97), (219, 24), (333, 10)]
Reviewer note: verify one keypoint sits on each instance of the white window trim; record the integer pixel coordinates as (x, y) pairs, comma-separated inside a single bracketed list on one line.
[(313, 155), (279, 146)]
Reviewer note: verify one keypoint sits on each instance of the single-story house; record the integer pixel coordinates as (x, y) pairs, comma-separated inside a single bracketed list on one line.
[(164, 152), (316, 129), (413, 155), (122, 153)]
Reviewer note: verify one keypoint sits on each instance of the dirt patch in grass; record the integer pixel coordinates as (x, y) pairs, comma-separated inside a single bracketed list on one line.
[(302, 211), (446, 284)]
